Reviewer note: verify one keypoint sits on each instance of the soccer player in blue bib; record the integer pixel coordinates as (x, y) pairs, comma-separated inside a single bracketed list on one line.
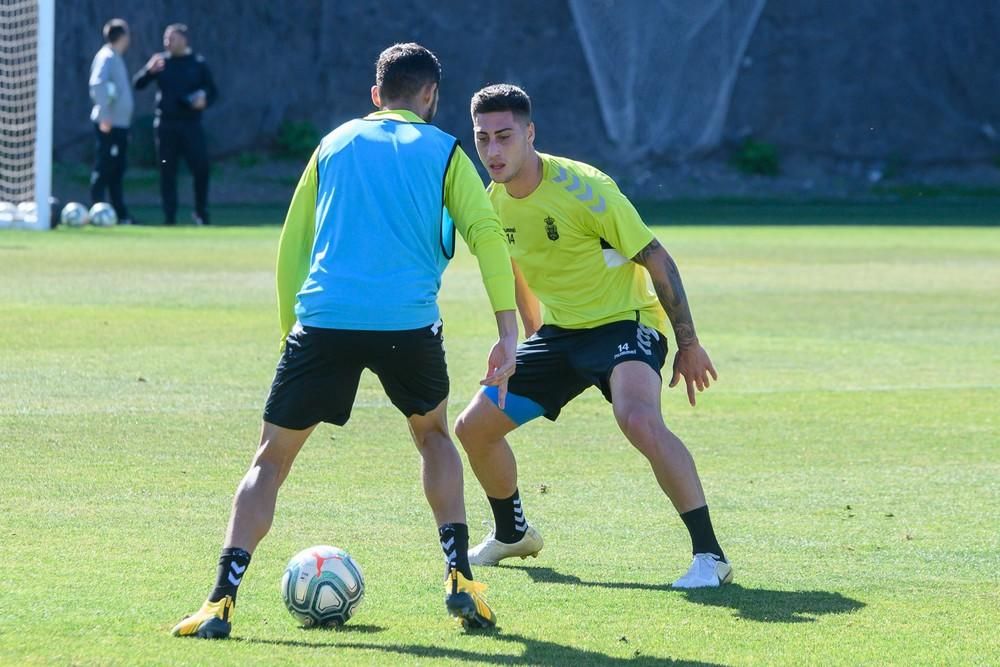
[(369, 231), (581, 250)]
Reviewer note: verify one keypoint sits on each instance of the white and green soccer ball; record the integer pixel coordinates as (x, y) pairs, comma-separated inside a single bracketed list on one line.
[(9, 215), (103, 215), (74, 214), (322, 586), (28, 212)]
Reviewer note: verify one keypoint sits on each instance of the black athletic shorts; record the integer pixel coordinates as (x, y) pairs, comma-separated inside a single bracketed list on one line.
[(318, 374), (556, 365)]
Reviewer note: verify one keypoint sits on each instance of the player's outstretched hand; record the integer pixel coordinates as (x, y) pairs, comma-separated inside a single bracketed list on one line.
[(156, 63), (693, 363), (500, 366)]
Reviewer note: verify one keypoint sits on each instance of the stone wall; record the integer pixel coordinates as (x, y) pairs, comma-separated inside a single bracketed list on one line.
[(915, 82)]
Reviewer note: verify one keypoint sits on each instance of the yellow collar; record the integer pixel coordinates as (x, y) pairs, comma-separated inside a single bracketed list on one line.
[(404, 115)]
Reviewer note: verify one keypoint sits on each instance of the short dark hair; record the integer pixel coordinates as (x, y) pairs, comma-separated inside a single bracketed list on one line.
[(502, 97), (403, 69), (114, 30), (177, 27)]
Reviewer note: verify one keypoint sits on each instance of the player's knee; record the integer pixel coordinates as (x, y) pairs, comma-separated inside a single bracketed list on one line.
[(269, 463), (639, 425), (437, 449), (274, 457), (263, 473), (465, 428), (469, 427), (433, 438)]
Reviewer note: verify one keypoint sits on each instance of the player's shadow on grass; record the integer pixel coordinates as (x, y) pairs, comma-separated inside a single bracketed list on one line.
[(546, 575), (755, 604), (348, 629), (310, 636), (767, 606), (536, 652)]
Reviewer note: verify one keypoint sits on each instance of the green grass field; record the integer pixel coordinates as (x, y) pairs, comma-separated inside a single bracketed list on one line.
[(850, 451)]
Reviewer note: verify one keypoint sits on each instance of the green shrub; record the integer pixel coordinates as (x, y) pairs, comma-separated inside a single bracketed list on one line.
[(893, 167), (248, 159), (756, 157), (296, 139)]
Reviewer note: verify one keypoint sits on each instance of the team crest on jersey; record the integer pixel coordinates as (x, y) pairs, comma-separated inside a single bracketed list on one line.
[(550, 229)]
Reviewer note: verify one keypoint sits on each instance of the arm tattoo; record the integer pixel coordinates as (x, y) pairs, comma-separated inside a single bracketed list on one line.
[(646, 252), (670, 291)]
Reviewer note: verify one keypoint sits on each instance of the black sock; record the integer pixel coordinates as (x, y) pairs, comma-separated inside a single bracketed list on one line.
[(699, 525), (232, 564), (508, 517), (455, 544)]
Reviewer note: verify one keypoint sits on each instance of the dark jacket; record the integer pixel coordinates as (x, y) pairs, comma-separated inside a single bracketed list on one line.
[(178, 80)]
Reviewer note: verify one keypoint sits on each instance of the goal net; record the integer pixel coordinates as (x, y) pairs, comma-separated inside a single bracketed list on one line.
[(26, 76), (664, 70)]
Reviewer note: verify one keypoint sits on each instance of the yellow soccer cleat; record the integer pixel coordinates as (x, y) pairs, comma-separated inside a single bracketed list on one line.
[(212, 621), (464, 600)]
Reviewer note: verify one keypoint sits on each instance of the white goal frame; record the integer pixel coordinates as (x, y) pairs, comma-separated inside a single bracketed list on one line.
[(43, 112)]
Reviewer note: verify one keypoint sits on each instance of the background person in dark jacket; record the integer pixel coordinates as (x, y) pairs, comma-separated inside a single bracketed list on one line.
[(186, 89)]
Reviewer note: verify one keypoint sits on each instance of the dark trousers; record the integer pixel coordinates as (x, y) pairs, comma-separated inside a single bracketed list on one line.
[(109, 168), (174, 140)]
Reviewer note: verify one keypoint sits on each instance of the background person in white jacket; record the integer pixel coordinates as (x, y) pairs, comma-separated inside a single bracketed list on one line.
[(111, 91)]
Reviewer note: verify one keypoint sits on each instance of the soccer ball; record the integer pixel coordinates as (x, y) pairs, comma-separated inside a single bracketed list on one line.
[(8, 214), (103, 215), (322, 586), (74, 214), (27, 212)]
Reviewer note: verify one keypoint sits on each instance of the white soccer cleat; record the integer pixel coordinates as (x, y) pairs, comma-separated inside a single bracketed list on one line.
[(706, 571), (491, 551)]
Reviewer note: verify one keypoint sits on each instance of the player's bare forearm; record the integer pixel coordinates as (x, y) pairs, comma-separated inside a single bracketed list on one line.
[(506, 324), (691, 361), (527, 303), (530, 316), (670, 291)]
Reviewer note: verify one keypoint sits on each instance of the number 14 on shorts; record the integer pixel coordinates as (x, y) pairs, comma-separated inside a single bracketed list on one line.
[(625, 349)]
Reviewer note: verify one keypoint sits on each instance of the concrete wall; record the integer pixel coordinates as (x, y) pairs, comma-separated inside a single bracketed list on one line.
[(855, 79)]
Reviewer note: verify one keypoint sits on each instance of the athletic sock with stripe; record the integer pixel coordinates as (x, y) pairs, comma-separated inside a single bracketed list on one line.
[(455, 545), (508, 515), (232, 564)]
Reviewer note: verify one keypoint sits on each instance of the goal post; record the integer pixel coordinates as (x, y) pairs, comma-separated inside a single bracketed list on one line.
[(27, 52), (43, 110)]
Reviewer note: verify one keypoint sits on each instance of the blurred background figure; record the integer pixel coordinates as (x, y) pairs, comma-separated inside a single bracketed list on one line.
[(111, 92), (186, 89)]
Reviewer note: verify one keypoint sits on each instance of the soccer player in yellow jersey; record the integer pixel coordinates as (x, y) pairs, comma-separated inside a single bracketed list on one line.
[(581, 250)]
